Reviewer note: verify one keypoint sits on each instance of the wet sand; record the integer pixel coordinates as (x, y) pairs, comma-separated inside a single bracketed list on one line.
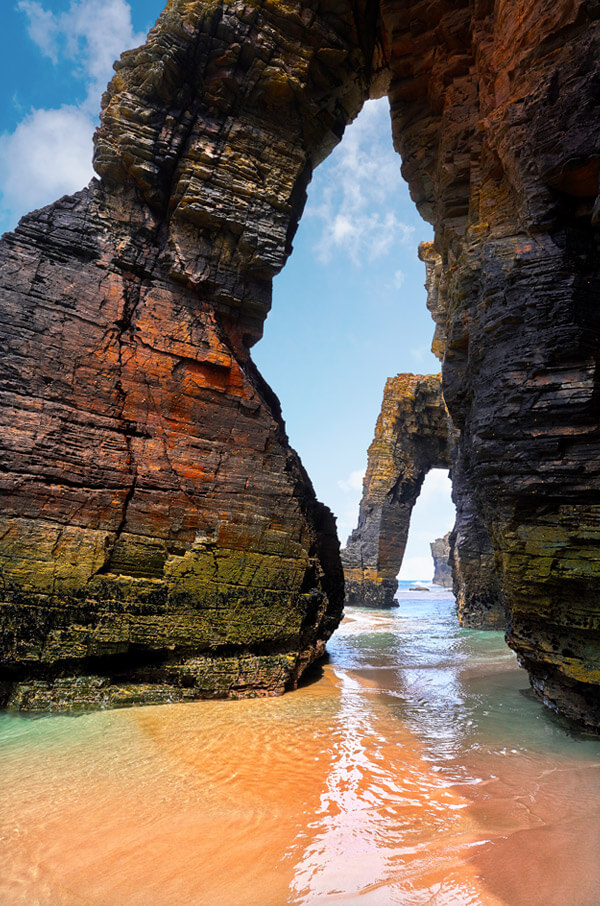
[(413, 771)]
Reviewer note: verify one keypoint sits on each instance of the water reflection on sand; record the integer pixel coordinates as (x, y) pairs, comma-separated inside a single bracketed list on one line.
[(413, 771)]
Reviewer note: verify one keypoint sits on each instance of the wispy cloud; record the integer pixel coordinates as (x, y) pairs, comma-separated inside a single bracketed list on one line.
[(50, 151), (420, 354), (353, 482), (348, 511), (399, 278), (356, 214), (90, 34), (48, 155), (417, 569)]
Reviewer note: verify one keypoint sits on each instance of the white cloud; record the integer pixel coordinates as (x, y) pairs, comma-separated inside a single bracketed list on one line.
[(417, 569), (353, 482), (49, 153), (347, 517), (437, 486), (419, 354), (41, 27), (355, 212), (399, 278), (91, 34), (346, 522)]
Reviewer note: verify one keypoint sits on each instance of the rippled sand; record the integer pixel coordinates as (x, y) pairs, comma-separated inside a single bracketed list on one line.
[(413, 771)]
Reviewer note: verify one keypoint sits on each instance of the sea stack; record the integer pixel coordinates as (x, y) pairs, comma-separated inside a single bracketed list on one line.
[(440, 552)]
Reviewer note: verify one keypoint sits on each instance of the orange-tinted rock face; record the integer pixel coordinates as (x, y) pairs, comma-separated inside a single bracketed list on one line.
[(156, 527), (159, 538)]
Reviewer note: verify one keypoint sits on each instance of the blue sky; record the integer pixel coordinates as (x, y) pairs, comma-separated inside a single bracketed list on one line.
[(348, 308)]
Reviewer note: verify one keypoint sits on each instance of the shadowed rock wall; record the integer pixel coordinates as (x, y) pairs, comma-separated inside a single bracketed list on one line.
[(475, 575), (411, 437), (495, 112)]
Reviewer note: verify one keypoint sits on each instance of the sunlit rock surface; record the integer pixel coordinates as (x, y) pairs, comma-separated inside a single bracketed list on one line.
[(156, 525), (411, 437), (159, 539)]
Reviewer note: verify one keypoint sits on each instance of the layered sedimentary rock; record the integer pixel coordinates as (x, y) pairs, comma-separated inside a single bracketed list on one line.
[(159, 538), (411, 437), (440, 553), (495, 112), (153, 515)]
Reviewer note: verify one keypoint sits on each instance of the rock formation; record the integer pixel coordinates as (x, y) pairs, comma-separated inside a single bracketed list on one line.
[(156, 526), (440, 552), (159, 539), (411, 437), (495, 113), (414, 434)]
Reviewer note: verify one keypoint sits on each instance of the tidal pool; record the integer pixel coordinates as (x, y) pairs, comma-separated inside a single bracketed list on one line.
[(414, 769)]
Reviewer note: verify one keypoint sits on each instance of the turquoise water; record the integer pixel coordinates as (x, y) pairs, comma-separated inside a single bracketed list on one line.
[(414, 768)]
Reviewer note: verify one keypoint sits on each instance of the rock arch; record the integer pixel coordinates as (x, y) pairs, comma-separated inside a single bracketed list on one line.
[(412, 435), (156, 525)]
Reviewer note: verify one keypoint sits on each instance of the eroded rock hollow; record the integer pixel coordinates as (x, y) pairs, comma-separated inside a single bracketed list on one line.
[(158, 533)]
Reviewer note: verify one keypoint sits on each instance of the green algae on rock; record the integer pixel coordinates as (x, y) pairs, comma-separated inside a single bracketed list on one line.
[(152, 510)]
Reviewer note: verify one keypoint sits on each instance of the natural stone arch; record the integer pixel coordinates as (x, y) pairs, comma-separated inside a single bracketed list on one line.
[(412, 435), (495, 114)]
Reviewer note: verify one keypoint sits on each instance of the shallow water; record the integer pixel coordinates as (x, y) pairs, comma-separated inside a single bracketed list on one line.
[(416, 770)]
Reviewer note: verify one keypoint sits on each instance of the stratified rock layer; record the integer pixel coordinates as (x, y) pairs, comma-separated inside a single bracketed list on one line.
[(476, 580), (153, 514), (495, 112), (413, 434), (159, 539), (440, 552), (411, 437)]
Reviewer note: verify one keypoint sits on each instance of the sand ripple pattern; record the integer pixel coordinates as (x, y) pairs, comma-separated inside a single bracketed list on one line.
[(414, 770)]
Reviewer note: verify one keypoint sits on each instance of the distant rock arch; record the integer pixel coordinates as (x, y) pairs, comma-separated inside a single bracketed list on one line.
[(412, 436)]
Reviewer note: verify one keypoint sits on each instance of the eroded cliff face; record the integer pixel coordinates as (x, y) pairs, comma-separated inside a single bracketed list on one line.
[(495, 112), (475, 575), (154, 518), (159, 538), (411, 437)]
